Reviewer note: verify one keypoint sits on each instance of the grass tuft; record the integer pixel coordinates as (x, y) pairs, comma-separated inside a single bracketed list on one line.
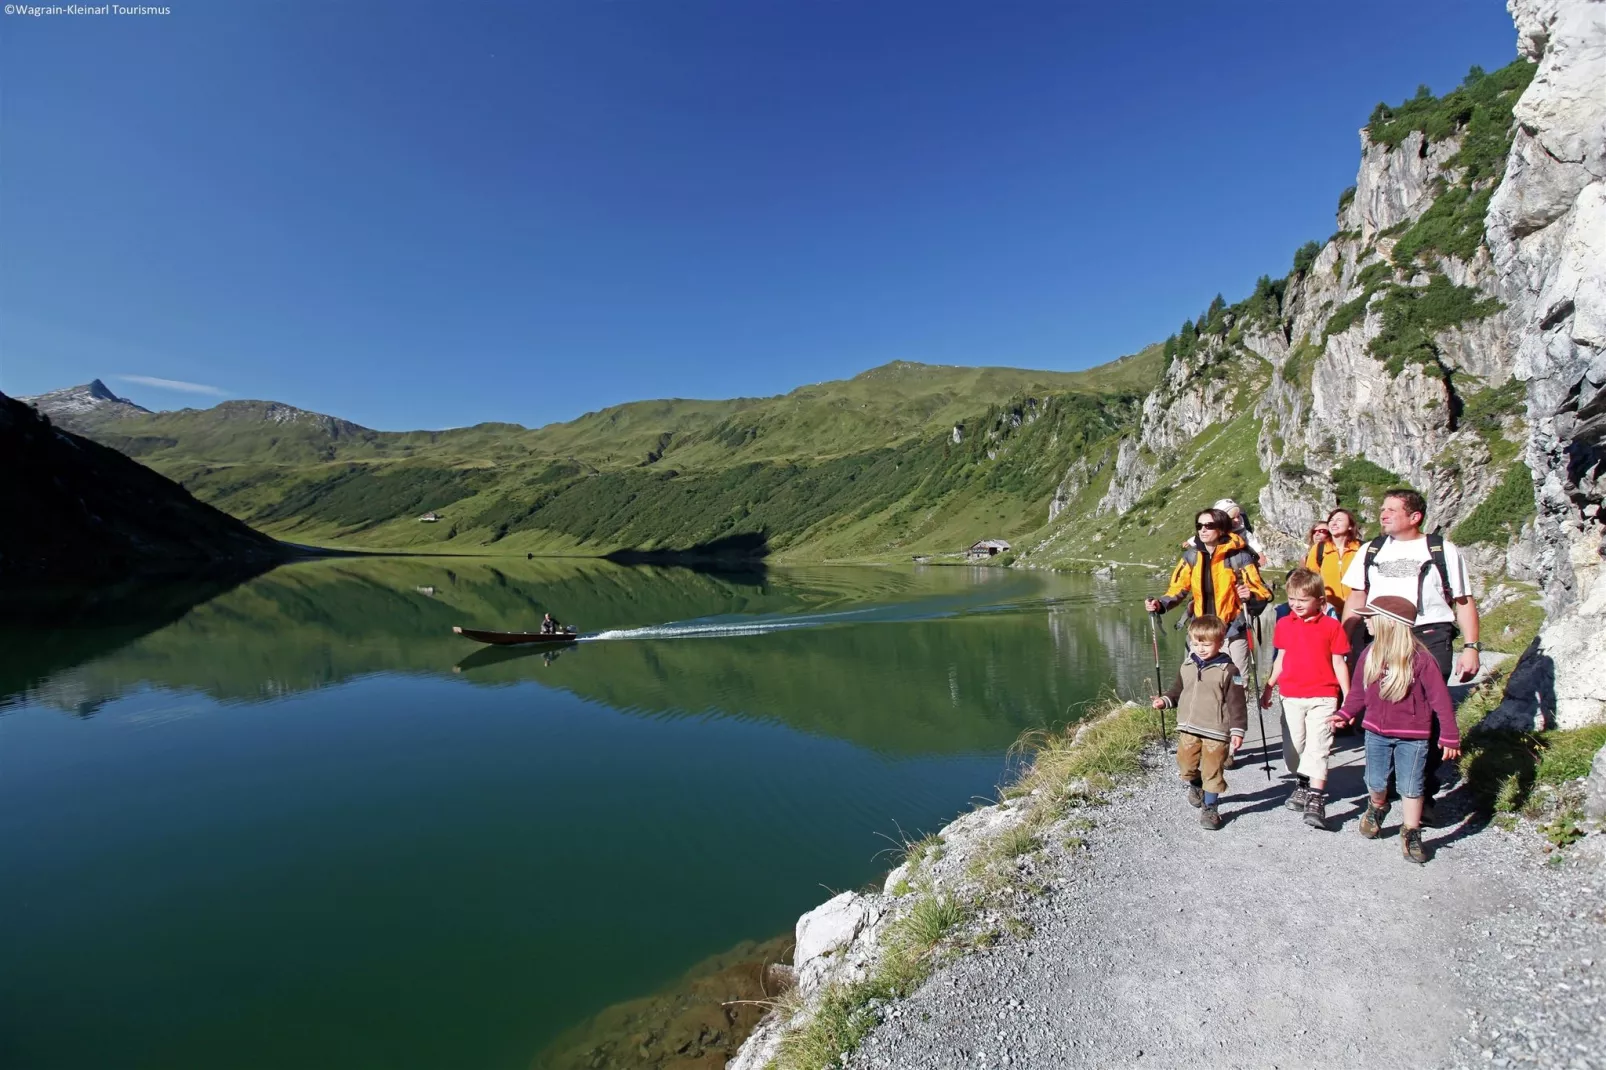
[(1113, 737), (847, 1012)]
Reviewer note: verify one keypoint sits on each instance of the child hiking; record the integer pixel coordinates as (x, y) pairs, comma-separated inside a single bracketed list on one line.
[(1310, 670), (1402, 701), (1208, 695)]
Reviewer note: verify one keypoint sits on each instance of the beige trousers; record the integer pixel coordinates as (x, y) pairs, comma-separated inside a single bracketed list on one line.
[(1310, 733)]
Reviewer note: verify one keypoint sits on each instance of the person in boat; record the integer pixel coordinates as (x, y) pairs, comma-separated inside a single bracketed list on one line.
[(550, 625)]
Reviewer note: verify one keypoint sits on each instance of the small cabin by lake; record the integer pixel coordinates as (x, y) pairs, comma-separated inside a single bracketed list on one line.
[(987, 548)]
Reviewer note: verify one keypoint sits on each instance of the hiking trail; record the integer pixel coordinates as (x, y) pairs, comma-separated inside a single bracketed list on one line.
[(1272, 944)]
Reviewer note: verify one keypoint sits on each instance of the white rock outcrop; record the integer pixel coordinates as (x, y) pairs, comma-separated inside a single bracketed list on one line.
[(1547, 236)]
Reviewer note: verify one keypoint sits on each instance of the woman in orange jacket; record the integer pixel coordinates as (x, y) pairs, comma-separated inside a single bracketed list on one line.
[(1329, 559), (1218, 574)]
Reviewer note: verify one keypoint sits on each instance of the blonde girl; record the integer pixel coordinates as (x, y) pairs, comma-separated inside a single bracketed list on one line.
[(1397, 695)]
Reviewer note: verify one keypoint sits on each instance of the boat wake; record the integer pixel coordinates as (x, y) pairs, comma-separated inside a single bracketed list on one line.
[(724, 629)]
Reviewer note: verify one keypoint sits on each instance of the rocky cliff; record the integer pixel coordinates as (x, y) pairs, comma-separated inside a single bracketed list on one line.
[(1547, 237), (1382, 357), (1449, 336)]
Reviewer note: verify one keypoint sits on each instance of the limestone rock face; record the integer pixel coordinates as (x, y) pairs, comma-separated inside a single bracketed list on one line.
[(1329, 399), (1184, 405), (1547, 237), (1395, 185), (1595, 799), (827, 931)]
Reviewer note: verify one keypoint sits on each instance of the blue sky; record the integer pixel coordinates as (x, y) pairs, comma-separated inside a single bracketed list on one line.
[(431, 214)]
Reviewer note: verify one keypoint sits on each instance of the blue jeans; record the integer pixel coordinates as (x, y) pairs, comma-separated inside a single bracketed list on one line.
[(1407, 757)]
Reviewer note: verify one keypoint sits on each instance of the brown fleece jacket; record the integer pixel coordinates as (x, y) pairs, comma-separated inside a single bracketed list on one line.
[(1209, 698)]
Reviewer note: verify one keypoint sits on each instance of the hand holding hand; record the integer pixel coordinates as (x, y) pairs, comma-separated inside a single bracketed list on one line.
[(1340, 721)]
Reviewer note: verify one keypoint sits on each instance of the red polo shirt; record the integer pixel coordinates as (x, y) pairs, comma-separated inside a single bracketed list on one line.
[(1308, 647)]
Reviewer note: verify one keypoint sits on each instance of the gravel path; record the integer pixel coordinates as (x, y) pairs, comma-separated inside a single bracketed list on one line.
[(1271, 944)]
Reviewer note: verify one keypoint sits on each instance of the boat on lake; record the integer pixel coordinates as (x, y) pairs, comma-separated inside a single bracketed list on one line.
[(516, 638)]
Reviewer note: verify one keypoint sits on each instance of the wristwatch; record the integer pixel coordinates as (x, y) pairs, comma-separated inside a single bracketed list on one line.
[(1472, 646)]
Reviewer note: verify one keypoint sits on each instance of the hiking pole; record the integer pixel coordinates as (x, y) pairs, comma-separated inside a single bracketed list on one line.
[(1254, 675), (1154, 633)]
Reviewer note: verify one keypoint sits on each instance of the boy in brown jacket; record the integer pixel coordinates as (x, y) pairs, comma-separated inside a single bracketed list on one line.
[(1208, 696)]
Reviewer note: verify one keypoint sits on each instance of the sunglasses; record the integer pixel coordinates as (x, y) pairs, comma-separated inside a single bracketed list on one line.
[(1321, 531), (1211, 527)]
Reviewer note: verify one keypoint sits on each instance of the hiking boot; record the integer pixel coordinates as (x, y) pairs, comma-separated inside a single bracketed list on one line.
[(1196, 794), (1372, 820), (1296, 801), (1316, 809), (1210, 817), (1411, 846)]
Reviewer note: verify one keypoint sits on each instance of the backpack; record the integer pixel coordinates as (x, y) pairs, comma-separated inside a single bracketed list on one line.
[(1435, 560), (1236, 562)]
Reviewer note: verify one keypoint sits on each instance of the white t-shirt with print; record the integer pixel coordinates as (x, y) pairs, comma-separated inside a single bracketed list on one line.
[(1397, 568)]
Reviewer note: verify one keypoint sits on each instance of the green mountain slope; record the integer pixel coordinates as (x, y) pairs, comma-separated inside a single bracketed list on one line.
[(905, 458)]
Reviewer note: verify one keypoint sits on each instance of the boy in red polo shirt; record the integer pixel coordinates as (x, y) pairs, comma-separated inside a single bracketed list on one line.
[(1311, 671)]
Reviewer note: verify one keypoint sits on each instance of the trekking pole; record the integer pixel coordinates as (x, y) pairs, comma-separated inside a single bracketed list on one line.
[(1254, 674), (1154, 633)]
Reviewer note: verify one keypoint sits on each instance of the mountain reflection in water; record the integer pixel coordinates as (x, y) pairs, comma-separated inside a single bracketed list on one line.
[(299, 821)]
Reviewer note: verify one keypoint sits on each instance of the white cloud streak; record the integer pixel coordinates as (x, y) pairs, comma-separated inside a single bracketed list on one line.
[(174, 384)]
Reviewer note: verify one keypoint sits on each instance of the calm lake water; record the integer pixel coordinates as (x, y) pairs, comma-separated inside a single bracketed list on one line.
[(299, 823)]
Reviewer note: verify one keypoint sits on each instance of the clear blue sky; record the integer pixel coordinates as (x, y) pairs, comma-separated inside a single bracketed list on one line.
[(432, 214)]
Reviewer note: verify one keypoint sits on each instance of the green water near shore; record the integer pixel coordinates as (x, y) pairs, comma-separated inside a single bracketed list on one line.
[(301, 823)]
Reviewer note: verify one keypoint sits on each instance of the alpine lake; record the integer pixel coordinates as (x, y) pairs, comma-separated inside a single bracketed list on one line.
[(296, 822)]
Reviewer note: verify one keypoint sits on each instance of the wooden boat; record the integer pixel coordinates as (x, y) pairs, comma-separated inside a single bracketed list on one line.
[(516, 638)]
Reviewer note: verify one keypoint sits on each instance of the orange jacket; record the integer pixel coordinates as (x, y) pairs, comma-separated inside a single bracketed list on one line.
[(1331, 568), (1230, 555)]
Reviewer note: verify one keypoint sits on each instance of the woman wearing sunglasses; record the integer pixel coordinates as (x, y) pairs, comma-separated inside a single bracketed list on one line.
[(1218, 574)]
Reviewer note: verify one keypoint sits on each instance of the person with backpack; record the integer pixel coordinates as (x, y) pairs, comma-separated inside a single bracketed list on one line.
[(1426, 570), (1241, 526), (1212, 715), (1334, 544), (1218, 575)]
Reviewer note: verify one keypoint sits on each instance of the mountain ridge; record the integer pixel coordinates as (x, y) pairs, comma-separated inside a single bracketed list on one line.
[(89, 512)]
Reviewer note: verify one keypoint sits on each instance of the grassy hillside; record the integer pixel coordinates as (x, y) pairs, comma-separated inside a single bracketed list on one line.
[(865, 467)]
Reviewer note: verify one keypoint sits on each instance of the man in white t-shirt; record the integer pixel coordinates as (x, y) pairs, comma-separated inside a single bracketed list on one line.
[(1402, 563)]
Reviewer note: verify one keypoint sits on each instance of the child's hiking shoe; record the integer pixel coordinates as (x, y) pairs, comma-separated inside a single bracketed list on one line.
[(1296, 801), (1411, 846), (1196, 794), (1316, 809), (1372, 820), (1210, 817)]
